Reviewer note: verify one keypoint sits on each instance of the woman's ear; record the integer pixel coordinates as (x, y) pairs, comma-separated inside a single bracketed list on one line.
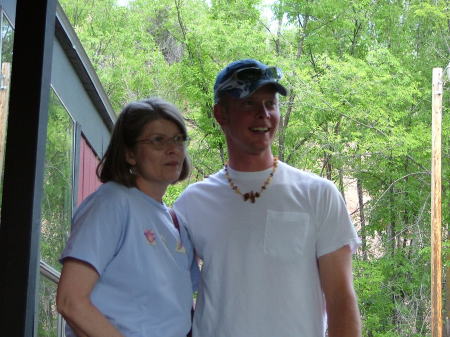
[(130, 158)]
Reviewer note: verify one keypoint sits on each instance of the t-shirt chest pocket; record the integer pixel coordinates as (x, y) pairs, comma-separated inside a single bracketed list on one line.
[(285, 233)]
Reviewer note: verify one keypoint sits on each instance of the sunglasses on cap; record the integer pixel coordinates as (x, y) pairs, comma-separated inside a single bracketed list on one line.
[(252, 74)]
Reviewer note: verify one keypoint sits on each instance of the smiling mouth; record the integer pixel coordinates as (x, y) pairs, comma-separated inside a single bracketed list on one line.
[(260, 129)]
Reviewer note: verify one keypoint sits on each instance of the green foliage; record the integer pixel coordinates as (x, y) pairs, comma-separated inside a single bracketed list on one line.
[(359, 109), (391, 290), (57, 196), (48, 316), (56, 208)]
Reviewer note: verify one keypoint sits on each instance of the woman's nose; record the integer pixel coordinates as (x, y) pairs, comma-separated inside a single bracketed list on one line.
[(172, 147)]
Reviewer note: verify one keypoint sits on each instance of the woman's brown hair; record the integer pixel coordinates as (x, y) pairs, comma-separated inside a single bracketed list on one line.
[(128, 127)]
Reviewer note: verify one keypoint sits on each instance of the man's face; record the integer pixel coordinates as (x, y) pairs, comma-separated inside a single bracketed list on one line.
[(249, 123)]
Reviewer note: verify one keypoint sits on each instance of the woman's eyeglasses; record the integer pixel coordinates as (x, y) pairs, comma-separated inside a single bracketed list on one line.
[(159, 142)]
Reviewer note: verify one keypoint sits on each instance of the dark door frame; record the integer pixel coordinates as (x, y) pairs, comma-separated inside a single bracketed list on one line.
[(24, 165)]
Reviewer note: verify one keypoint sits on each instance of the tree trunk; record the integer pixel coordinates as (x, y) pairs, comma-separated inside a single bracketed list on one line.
[(362, 218)]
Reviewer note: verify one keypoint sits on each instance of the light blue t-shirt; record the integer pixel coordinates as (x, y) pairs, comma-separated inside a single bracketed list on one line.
[(145, 286)]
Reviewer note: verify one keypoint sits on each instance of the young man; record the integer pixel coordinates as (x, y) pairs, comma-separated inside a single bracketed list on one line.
[(276, 242)]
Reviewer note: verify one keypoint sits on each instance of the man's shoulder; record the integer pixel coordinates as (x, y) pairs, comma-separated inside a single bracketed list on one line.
[(207, 182), (199, 192), (296, 172), (293, 174)]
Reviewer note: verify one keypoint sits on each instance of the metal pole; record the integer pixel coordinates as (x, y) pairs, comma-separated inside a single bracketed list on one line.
[(436, 200)]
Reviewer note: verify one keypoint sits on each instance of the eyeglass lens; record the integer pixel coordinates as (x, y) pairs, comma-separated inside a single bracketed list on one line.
[(159, 142)]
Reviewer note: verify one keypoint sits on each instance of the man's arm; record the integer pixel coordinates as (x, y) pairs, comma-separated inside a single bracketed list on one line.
[(337, 284)]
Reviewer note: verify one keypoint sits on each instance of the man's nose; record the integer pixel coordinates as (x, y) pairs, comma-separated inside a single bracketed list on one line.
[(263, 111)]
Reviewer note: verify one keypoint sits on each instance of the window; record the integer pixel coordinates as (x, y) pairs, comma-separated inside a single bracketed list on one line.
[(57, 201), (6, 45), (50, 322)]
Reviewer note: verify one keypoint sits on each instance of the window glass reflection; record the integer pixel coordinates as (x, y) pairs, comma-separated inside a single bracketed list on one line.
[(7, 40), (56, 213), (57, 197), (6, 44), (49, 319)]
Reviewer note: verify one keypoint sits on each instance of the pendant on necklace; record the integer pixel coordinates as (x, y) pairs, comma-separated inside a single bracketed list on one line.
[(251, 195)]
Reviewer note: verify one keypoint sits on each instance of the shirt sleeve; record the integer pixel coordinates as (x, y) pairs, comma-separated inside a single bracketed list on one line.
[(98, 229), (187, 242), (180, 206), (335, 228), (194, 268)]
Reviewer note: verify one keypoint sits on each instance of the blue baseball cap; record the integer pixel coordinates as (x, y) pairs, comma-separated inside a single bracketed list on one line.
[(242, 78)]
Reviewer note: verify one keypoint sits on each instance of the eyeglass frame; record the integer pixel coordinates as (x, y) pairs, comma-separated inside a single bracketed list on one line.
[(184, 142)]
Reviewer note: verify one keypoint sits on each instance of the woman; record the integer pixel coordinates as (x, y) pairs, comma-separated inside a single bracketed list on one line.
[(126, 267)]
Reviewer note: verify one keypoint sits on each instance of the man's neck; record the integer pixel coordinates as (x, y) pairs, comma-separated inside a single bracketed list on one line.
[(250, 162)]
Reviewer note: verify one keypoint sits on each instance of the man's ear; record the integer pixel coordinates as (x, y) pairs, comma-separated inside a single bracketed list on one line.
[(220, 114), (130, 157)]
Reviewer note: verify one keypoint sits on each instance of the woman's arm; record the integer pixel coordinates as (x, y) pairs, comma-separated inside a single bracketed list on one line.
[(73, 301)]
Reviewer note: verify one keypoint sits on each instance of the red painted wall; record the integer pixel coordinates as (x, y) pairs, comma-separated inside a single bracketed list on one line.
[(87, 179)]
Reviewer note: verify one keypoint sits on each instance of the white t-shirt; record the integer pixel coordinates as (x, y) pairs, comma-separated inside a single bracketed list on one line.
[(260, 275), (145, 286)]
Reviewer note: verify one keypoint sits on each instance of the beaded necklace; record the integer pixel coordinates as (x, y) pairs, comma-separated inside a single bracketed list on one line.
[(252, 195)]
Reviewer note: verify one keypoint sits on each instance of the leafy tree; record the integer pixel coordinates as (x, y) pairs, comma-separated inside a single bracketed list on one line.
[(357, 113), (56, 208)]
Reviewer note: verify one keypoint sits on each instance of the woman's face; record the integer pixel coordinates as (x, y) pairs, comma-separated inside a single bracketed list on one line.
[(158, 155)]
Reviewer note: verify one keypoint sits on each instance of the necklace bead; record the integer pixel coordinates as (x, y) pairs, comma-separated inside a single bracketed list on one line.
[(251, 196)]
